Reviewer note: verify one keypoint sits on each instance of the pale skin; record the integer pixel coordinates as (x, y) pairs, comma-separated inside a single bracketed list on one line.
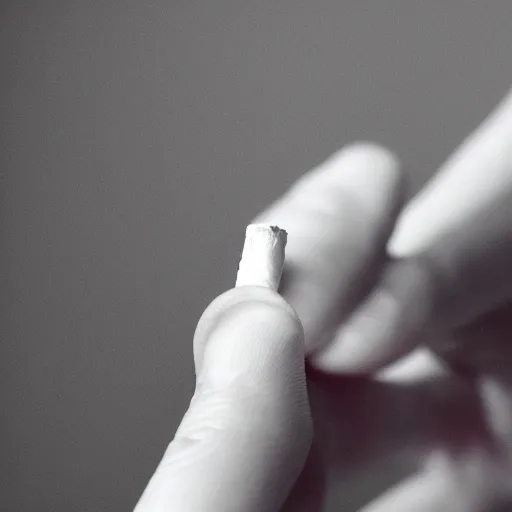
[(408, 351)]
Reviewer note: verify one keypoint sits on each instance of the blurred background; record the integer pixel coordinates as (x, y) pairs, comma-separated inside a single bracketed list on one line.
[(137, 140)]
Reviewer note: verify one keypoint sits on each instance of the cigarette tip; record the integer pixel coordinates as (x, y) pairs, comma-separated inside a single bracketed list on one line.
[(263, 256), (270, 229)]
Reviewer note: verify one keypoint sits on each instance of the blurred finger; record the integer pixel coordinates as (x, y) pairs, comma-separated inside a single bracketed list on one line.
[(477, 174), (338, 217), (451, 256), (419, 366), (386, 325)]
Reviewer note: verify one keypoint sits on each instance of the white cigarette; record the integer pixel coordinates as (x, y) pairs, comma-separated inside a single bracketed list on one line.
[(262, 257)]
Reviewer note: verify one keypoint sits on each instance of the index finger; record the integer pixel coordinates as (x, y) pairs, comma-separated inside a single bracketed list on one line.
[(339, 217)]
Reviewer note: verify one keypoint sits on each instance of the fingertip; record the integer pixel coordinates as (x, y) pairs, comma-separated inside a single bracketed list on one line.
[(233, 297), (372, 172), (236, 299), (369, 159), (247, 433), (364, 172), (368, 150), (355, 166), (387, 326)]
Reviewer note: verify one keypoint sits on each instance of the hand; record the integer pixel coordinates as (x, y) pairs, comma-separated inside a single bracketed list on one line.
[(245, 442), (339, 218), (448, 288), (449, 259), (445, 284)]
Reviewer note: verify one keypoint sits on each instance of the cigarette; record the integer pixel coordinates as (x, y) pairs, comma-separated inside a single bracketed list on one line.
[(262, 257)]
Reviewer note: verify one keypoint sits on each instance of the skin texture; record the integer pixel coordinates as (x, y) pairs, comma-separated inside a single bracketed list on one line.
[(298, 392), (246, 436)]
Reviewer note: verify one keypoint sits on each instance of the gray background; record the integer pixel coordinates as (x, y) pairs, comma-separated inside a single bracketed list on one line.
[(137, 140)]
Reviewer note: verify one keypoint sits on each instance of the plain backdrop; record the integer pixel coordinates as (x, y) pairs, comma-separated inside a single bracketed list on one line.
[(137, 139)]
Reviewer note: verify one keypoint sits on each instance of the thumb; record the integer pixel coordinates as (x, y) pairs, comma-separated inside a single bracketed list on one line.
[(247, 433)]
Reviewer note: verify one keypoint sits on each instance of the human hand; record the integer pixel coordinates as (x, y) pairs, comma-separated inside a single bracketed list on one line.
[(449, 259), (244, 444), (338, 217), (447, 287), (446, 284)]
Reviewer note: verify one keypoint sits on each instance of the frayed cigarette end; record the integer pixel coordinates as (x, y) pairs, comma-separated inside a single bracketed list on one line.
[(262, 257)]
